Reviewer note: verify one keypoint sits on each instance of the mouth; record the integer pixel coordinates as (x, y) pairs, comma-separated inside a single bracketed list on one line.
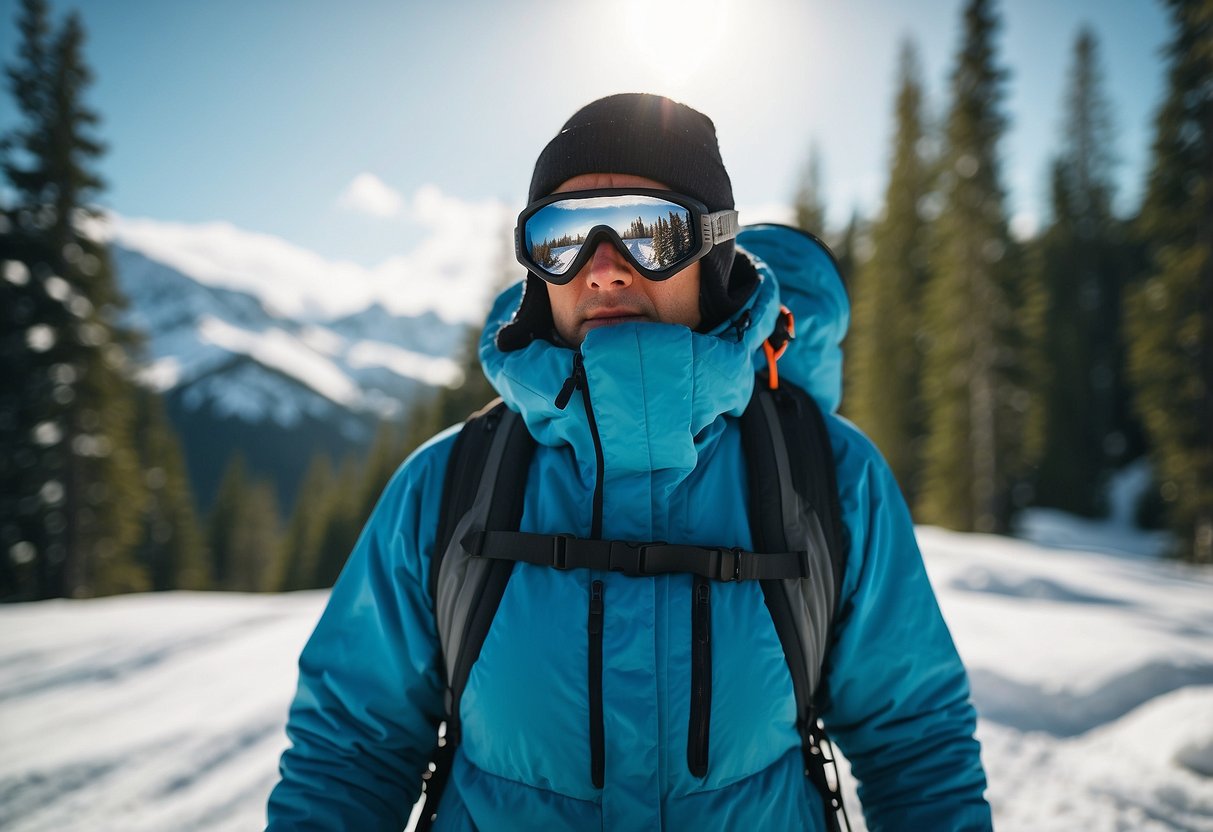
[(611, 317)]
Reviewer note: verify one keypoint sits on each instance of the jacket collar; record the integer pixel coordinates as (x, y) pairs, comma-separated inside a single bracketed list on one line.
[(656, 389)]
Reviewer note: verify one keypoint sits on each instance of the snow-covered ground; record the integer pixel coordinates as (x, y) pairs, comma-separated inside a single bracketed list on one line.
[(641, 249), (1093, 672)]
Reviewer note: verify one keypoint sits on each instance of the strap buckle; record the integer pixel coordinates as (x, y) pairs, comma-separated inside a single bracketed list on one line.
[(626, 557), (729, 564)]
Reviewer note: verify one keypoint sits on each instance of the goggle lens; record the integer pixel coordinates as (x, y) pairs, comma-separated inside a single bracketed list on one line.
[(657, 234)]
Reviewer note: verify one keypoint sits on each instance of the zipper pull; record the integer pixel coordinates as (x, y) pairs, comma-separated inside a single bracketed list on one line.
[(595, 624), (573, 382), (703, 594)]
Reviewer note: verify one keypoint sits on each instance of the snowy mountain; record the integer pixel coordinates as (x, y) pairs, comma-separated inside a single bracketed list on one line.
[(367, 362), (1092, 673), (238, 375)]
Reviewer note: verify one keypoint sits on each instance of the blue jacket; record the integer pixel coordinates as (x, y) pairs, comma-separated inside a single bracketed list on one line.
[(896, 701)]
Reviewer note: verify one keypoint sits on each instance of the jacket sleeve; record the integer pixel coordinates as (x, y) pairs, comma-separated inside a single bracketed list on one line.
[(364, 720), (897, 696)]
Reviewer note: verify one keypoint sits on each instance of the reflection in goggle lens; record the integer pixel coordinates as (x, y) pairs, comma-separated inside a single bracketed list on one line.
[(657, 233)]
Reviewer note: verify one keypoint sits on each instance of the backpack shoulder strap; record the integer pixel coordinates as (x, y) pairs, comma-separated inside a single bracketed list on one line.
[(794, 504), (794, 500), (462, 481), (811, 468), (484, 488)]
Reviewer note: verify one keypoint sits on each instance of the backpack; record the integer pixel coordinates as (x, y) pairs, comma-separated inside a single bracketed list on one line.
[(796, 524)]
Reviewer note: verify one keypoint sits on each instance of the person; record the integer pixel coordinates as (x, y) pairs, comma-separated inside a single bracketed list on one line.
[(659, 331)]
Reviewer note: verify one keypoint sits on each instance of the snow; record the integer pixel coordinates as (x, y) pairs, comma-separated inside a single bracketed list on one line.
[(640, 249), (249, 393), (1092, 670), (1117, 534), (286, 353), (564, 257), (433, 371), (162, 374)]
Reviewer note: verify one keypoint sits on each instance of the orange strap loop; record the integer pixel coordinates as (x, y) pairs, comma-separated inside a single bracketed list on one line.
[(777, 343)]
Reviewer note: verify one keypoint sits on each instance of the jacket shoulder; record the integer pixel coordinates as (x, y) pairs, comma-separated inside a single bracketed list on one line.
[(408, 507)]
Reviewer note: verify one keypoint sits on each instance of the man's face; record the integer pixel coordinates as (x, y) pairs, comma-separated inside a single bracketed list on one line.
[(609, 291)]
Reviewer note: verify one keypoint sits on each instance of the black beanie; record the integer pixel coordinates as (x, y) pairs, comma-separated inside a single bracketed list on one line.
[(643, 135)]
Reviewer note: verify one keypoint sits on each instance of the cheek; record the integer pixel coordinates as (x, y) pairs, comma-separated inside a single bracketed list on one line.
[(677, 299), (564, 301)]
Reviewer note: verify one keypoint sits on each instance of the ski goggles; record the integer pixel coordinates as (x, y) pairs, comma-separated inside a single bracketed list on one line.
[(658, 232)]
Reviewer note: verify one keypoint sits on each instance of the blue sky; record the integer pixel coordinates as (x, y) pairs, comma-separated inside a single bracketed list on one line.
[(326, 124)]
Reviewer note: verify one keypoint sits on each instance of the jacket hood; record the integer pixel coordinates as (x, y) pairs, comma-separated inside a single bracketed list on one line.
[(811, 286), (657, 390)]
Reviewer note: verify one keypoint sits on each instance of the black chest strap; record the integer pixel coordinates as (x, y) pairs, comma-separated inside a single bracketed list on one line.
[(562, 551)]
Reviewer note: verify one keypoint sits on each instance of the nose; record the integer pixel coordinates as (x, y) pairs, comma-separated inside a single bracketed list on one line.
[(607, 269)]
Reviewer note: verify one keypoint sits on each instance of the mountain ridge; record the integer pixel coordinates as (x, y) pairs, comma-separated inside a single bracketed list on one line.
[(234, 373)]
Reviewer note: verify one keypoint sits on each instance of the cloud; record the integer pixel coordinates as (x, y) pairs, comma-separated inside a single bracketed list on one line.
[(464, 254), (367, 194)]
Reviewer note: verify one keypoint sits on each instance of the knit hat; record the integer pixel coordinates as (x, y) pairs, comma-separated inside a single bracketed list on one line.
[(643, 135)]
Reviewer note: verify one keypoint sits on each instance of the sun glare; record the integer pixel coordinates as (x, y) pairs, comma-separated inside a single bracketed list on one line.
[(677, 38)]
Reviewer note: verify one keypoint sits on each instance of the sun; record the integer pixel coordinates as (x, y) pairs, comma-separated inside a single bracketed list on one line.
[(677, 39)]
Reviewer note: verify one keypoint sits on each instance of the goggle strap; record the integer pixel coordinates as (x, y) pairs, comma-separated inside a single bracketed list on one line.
[(720, 226)]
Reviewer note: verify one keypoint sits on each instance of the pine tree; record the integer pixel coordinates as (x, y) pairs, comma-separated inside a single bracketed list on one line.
[(242, 532), (255, 540), (885, 368), (661, 246), (847, 245), (68, 472), (848, 248), (1170, 316), (977, 310), (223, 518), (170, 547), (680, 236), (1081, 266), (342, 524), (810, 199), (300, 549)]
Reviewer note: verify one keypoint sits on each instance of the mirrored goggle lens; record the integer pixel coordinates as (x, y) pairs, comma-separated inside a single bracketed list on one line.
[(657, 233)]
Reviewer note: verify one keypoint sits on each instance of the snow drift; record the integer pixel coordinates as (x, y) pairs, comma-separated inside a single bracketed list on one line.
[(1092, 671)]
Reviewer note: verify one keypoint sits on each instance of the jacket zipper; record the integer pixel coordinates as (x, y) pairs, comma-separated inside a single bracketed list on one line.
[(578, 381), (597, 753), (701, 677)]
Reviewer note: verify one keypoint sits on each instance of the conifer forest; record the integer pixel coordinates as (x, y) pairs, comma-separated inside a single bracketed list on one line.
[(996, 372)]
